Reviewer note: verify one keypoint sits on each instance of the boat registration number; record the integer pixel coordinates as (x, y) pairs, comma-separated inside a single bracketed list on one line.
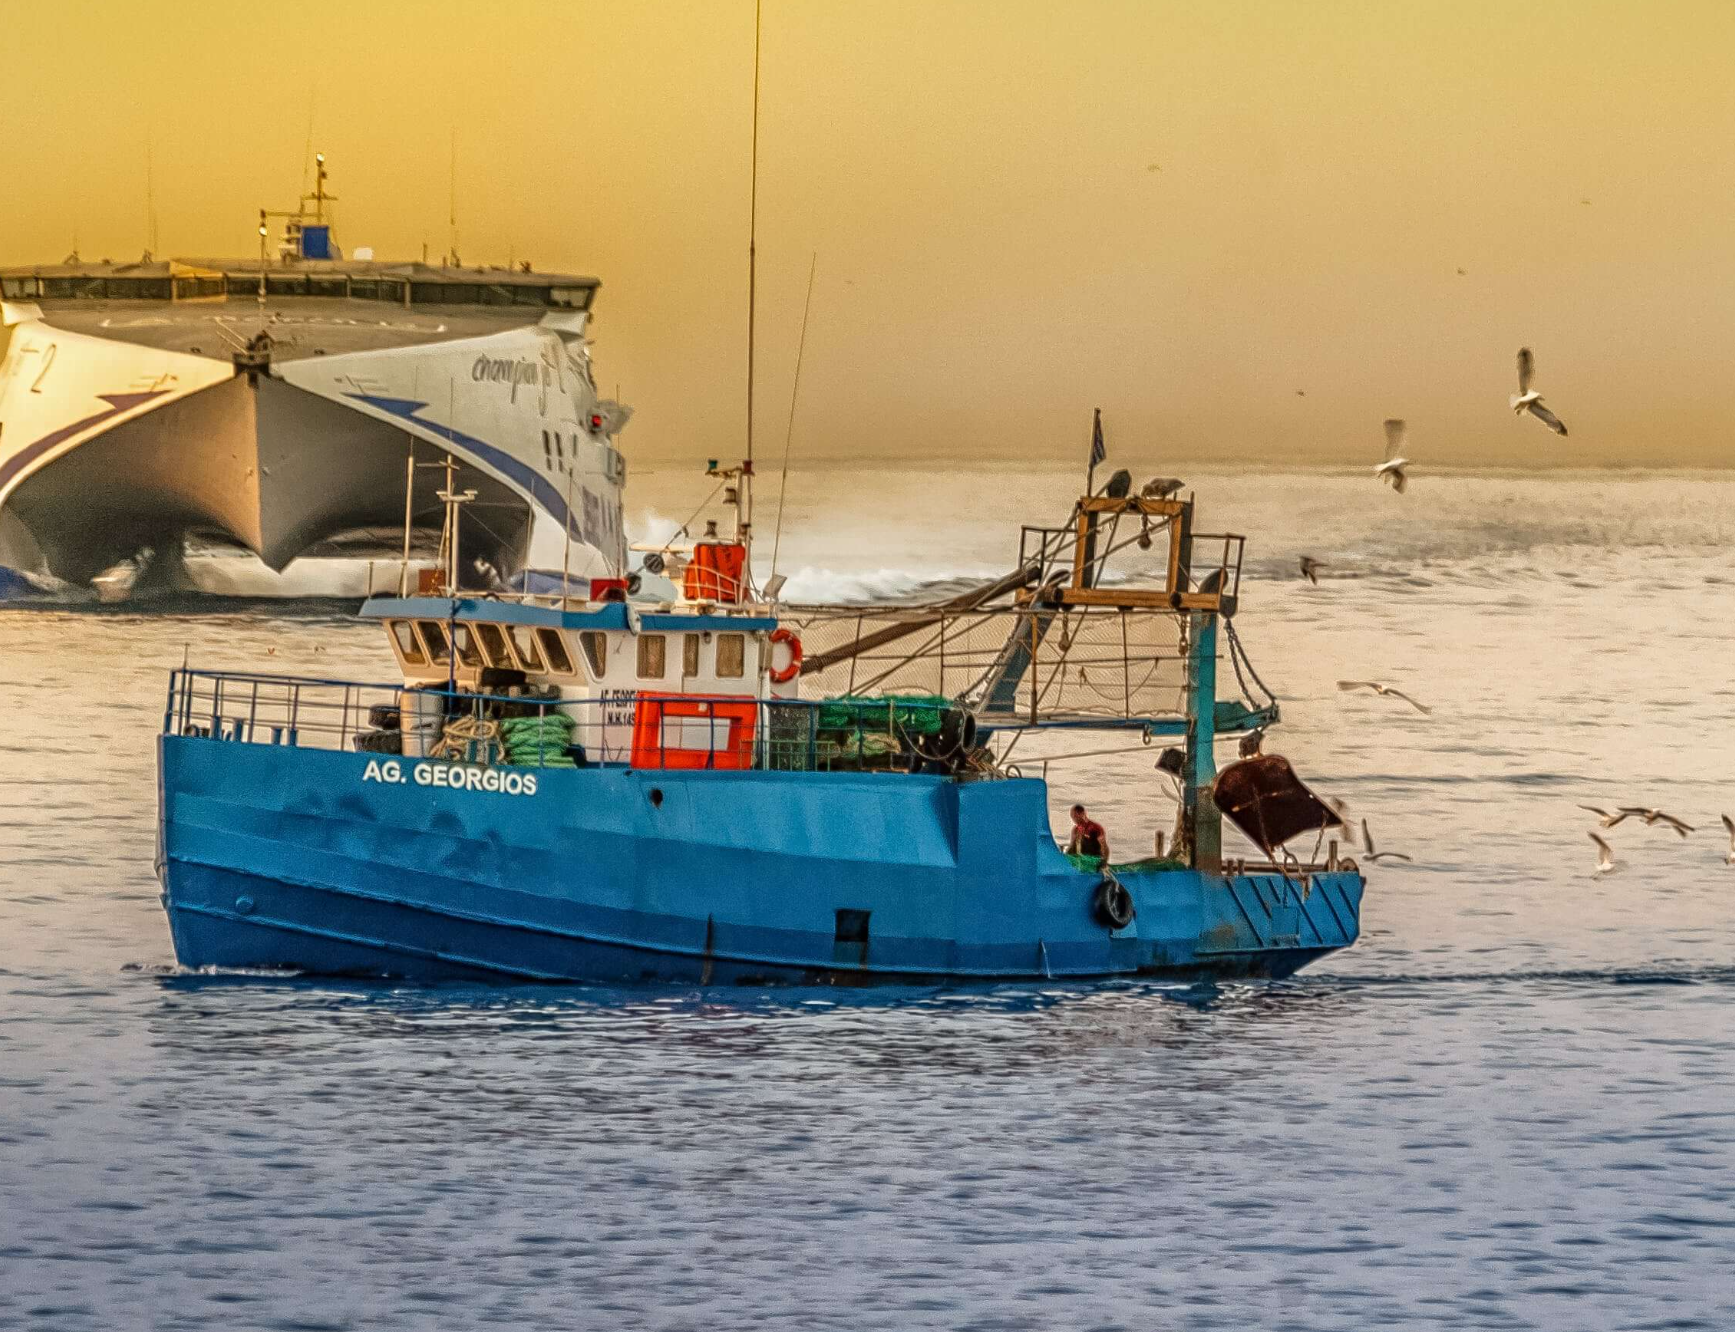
[(452, 776)]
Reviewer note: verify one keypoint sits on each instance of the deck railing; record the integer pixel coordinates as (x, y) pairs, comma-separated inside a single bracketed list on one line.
[(641, 730)]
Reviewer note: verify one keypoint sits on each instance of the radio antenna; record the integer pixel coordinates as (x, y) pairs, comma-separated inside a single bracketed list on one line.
[(150, 193), (452, 205)]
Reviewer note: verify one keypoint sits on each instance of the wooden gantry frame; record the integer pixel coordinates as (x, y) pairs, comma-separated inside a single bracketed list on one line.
[(1175, 595)]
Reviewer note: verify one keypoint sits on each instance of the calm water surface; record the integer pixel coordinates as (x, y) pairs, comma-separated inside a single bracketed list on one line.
[(1512, 1105)]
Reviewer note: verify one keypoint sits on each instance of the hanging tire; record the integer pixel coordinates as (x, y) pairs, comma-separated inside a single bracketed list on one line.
[(1113, 904)]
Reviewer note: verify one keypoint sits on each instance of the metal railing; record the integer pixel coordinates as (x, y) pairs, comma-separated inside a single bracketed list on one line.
[(639, 730)]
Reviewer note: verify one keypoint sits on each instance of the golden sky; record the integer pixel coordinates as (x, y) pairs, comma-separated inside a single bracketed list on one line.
[(1236, 227)]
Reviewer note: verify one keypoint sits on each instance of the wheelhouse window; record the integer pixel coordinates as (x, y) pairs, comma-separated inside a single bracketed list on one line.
[(433, 635), (494, 646), (467, 653), (595, 645), (689, 655), (731, 656), (524, 645), (554, 648), (408, 648), (653, 654)]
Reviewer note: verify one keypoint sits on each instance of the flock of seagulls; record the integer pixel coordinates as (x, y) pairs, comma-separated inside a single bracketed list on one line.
[(1391, 469), (1605, 856)]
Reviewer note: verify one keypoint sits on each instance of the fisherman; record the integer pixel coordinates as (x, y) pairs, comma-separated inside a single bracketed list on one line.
[(1088, 837)]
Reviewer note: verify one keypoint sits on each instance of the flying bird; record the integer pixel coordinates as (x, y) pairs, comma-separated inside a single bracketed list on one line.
[(1653, 817), (1373, 856), (1391, 470), (1729, 827), (1383, 691), (1604, 818), (1529, 400), (1605, 856), (1310, 568)]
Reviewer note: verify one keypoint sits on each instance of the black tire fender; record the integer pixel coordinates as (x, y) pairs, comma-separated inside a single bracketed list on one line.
[(1113, 904)]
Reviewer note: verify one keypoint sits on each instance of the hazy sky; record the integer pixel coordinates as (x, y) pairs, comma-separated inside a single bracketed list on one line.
[(1183, 213)]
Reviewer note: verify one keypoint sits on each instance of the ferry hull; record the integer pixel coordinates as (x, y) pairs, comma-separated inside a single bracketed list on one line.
[(334, 863)]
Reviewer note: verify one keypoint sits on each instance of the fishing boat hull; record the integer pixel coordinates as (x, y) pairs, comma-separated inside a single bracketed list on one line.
[(328, 862)]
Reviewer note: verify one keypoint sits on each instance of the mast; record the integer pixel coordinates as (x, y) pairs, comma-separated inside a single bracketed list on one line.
[(745, 525)]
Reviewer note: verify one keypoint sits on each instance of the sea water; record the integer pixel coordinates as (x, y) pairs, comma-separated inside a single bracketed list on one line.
[(1511, 1105)]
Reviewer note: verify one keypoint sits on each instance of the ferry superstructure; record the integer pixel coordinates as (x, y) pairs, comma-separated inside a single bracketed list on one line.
[(275, 403)]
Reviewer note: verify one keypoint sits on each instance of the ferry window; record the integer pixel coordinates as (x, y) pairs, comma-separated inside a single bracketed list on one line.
[(570, 298), (559, 659), (689, 654), (731, 656), (524, 644), (548, 450), (408, 648), (467, 652), (494, 646), (652, 656), (559, 451), (434, 640), (595, 645)]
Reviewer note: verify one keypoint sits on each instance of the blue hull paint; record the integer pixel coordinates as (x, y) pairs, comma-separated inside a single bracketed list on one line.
[(14, 586), (274, 856)]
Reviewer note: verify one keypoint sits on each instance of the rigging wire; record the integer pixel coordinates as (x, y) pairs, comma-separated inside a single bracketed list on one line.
[(794, 392), (1238, 657)]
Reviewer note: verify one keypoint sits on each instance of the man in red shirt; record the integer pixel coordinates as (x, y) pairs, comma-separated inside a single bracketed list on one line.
[(1088, 837)]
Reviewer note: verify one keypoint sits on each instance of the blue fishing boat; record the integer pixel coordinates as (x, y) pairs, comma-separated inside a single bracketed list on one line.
[(720, 788)]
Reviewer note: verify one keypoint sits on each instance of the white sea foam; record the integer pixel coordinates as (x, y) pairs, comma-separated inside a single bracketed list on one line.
[(848, 587)]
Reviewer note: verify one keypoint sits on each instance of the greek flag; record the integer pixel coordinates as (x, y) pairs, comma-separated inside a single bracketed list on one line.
[(1098, 450)]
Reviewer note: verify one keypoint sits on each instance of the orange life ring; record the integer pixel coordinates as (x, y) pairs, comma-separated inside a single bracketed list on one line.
[(789, 672)]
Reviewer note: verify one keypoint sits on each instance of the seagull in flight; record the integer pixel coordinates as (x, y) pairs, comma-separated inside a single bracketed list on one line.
[(1383, 691), (1653, 817), (1607, 820), (1310, 568), (1372, 856), (1605, 856), (1391, 471), (1528, 399), (1729, 827)]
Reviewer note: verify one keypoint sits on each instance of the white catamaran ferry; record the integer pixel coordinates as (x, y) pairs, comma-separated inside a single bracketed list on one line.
[(273, 403)]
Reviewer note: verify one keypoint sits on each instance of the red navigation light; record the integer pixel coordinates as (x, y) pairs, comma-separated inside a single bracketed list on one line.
[(595, 421)]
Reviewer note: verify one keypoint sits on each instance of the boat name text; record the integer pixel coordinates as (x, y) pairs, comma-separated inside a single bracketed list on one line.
[(453, 776)]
